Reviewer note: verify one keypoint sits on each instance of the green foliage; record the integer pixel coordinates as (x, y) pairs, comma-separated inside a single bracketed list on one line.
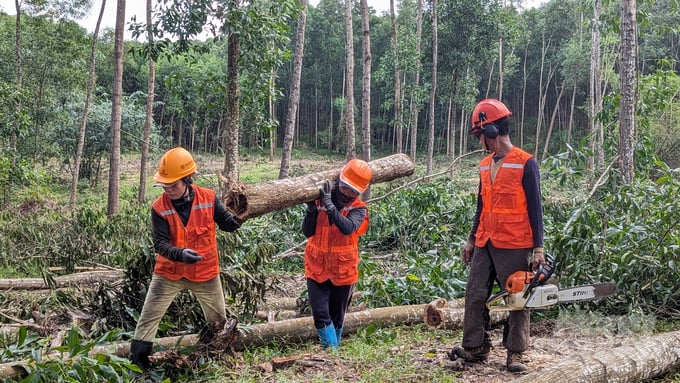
[(626, 234), (77, 366)]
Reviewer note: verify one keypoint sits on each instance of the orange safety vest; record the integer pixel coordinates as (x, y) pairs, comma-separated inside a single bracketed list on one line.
[(505, 218), (199, 234), (329, 253)]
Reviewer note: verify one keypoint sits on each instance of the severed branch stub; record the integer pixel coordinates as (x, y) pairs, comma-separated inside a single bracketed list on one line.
[(248, 201)]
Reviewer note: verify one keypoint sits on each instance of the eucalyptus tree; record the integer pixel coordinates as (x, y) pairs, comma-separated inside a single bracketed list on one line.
[(433, 88), (397, 81), (628, 68), (150, 96), (350, 151), (414, 104), (595, 88), (113, 203), (294, 97), (366, 88)]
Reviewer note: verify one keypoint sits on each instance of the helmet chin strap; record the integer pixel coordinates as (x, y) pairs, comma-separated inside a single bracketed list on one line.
[(186, 196)]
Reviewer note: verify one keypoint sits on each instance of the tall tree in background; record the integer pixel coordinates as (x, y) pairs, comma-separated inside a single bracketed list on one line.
[(415, 96), (116, 112), (628, 89), (86, 108), (150, 95), (397, 81), (595, 90), (294, 97), (231, 138), (349, 82), (366, 89), (19, 77), (433, 90)]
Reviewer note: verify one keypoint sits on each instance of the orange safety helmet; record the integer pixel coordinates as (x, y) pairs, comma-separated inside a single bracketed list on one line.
[(357, 174), (487, 111), (175, 164)]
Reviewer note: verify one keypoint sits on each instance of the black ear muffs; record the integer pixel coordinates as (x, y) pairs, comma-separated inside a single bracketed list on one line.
[(490, 130)]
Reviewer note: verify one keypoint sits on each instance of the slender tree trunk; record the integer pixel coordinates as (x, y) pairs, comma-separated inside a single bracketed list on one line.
[(628, 89), (231, 138), (524, 98), (116, 112), (500, 68), (433, 90), (294, 97), (86, 109), (595, 84), (397, 82), (415, 96), (351, 151), (19, 78), (272, 116), (366, 90), (552, 123), (148, 122)]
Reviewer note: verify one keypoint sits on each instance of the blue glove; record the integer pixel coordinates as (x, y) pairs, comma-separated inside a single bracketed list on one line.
[(326, 196), (190, 256)]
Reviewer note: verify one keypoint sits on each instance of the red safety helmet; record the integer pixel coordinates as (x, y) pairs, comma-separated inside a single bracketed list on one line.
[(487, 111), (357, 174)]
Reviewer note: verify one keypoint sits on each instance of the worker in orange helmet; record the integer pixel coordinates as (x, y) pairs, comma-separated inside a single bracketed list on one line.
[(183, 224), (333, 224), (506, 235)]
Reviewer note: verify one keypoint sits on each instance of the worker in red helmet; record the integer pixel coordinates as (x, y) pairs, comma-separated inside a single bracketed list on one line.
[(333, 224), (183, 226), (506, 235)]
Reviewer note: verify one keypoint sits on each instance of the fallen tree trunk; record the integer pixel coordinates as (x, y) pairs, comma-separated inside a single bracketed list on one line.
[(448, 315), (297, 329), (645, 359), (249, 201), (71, 280)]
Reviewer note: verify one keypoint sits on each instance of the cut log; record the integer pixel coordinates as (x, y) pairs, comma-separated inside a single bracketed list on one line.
[(647, 358), (71, 280), (249, 201), (448, 315)]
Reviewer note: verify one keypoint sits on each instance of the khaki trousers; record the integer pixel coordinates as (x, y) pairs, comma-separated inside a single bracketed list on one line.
[(490, 264), (162, 292)]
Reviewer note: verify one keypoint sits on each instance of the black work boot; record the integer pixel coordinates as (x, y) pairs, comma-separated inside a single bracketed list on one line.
[(139, 353), (514, 362), (471, 355)]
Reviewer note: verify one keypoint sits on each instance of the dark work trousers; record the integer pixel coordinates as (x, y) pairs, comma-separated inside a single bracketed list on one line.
[(490, 264), (328, 302)]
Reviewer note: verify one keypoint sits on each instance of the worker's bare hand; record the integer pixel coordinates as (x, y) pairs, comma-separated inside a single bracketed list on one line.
[(468, 250)]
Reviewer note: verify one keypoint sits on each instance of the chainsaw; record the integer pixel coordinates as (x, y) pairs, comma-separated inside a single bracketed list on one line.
[(533, 290)]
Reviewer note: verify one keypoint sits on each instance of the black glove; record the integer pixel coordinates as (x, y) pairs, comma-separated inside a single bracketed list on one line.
[(326, 196), (190, 256)]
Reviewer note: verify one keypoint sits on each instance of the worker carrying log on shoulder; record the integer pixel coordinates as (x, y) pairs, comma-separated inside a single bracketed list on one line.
[(183, 223), (333, 224)]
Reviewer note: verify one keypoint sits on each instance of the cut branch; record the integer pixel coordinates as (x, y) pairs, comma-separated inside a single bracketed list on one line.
[(71, 280)]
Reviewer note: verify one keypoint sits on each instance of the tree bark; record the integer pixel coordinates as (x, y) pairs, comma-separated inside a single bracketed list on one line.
[(366, 89), (71, 280), (646, 359), (116, 113), (349, 87), (628, 89), (415, 94), (150, 97), (397, 81), (294, 99), (249, 201), (433, 92)]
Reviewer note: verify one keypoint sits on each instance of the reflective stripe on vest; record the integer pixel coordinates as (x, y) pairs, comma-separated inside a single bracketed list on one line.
[(199, 234), (504, 219), (330, 254)]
